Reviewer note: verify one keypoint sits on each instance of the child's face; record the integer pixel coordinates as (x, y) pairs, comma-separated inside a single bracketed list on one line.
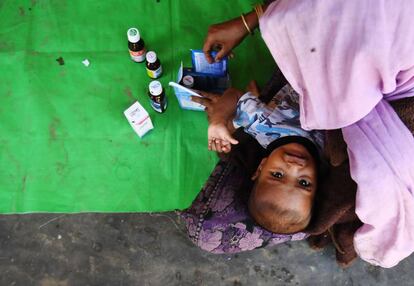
[(289, 177)]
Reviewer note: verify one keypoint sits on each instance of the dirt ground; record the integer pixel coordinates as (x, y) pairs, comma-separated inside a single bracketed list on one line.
[(152, 249)]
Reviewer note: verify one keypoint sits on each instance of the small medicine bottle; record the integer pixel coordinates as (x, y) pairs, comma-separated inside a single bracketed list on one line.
[(154, 68), (136, 45), (188, 81), (157, 96)]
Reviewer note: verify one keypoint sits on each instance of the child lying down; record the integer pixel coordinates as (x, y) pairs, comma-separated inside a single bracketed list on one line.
[(286, 179), (285, 168)]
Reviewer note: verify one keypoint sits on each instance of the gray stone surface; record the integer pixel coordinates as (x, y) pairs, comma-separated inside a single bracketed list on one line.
[(152, 249)]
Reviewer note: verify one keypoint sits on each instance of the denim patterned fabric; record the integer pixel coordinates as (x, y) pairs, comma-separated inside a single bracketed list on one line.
[(268, 123)]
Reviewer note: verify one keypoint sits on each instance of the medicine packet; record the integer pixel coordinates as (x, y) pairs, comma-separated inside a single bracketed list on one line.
[(139, 119), (202, 66)]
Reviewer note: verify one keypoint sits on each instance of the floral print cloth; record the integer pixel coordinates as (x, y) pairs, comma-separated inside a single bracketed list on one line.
[(218, 220)]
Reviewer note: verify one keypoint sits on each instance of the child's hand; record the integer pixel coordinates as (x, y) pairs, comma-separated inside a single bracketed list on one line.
[(220, 109), (219, 138)]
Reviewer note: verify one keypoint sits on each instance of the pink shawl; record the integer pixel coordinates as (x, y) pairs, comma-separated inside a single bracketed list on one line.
[(346, 59)]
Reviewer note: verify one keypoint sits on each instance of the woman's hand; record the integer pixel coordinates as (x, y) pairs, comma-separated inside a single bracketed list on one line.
[(253, 88), (227, 35), (224, 37), (219, 108)]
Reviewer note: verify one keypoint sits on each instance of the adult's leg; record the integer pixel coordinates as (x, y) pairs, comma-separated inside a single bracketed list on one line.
[(275, 83)]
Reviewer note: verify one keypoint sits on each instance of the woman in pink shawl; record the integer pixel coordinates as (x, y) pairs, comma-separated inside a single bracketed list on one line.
[(347, 60)]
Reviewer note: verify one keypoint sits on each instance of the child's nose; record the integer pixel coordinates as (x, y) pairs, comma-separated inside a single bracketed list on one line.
[(295, 160)]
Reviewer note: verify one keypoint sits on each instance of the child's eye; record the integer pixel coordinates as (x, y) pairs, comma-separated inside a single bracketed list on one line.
[(277, 174), (304, 183)]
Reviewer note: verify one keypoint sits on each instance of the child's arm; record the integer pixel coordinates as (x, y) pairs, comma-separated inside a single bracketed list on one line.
[(224, 145), (221, 110)]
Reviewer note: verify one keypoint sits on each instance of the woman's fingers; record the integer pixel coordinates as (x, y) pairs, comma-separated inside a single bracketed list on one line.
[(205, 94), (222, 53), (253, 88), (207, 48), (201, 100)]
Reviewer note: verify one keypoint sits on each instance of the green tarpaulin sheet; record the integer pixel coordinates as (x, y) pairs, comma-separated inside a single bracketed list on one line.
[(65, 145)]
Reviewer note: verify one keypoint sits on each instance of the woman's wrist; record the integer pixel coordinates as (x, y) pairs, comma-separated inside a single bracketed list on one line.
[(251, 19), (250, 22)]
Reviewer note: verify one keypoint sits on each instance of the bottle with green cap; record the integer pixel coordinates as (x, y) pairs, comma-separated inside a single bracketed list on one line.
[(157, 96), (136, 45)]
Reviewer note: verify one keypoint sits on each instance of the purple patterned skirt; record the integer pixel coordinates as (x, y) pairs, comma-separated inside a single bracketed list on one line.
[(218, 220)]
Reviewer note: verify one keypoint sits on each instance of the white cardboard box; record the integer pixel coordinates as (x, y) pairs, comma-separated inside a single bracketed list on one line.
[(139, 119), (184, 98)]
